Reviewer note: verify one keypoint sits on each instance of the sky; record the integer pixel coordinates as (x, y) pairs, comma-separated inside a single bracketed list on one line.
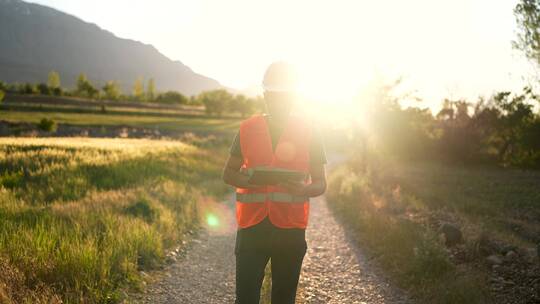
[(440, 48)]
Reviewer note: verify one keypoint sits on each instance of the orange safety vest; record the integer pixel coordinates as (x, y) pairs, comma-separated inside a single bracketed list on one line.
[(284, 209)]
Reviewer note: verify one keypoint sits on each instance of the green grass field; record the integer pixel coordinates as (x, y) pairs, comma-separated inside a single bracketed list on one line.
[(168, 123), (81, 217), (500, 199), (392, 209), (168, 119)]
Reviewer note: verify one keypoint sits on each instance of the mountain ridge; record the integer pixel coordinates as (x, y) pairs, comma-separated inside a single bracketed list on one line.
[(35, 39)]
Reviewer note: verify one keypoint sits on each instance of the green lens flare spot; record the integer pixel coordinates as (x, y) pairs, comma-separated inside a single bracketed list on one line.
[(212, 220)]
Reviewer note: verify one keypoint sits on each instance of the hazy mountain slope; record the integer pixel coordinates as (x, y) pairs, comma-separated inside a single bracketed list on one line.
[(35, 39)]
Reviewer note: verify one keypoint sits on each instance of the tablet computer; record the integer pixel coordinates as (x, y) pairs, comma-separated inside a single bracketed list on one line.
[(273, 176)]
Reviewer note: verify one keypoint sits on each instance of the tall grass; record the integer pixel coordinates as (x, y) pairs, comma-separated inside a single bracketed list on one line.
[(411, 253), (82, 217)]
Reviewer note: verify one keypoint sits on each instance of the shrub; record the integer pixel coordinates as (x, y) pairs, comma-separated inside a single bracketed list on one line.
[(47, 125), (143, 209)]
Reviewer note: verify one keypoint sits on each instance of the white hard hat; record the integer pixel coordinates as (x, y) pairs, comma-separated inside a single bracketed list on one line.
[(280, 76)]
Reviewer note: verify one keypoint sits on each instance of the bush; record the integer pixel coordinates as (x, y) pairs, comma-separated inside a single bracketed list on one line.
[(2, 94), (172, 97), (144, 210), (47, 125)]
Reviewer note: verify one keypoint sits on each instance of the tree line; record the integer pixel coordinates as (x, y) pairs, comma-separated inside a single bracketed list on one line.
[(502, 129), (216, 102)]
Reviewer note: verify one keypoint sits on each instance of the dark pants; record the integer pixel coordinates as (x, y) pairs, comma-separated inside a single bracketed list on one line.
[(255, 245)]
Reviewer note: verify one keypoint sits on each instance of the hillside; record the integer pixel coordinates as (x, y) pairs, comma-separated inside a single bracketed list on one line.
[(35, 39)]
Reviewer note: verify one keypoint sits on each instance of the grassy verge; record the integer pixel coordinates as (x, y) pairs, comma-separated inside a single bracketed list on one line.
[(81, 217), (381, 216), (506, 202)]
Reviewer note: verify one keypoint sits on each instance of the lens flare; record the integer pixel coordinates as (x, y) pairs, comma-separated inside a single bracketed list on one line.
[(212, 220), (217, 216)]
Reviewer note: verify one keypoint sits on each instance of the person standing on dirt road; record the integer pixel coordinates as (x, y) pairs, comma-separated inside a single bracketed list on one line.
[(272, 219)]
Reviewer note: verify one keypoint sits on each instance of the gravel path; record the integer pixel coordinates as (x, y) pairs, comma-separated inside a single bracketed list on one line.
[(334, 270), (205, 271)]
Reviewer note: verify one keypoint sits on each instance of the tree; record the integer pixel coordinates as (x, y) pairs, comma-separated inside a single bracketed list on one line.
[(138, 89), (194, 101), (460, 138), (241, 105), (43, 89), (85, 87), (28, 88), (216, 101), (151, 90), (515, 121), (53, 80), (172, 97), (81, 83), (2, 94), (527, 13), (111, 90), (58, 91)]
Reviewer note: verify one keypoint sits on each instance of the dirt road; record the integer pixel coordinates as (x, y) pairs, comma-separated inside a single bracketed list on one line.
[(334, 269)]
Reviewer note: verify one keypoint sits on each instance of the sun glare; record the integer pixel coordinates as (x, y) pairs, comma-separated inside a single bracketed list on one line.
[(212, 220)]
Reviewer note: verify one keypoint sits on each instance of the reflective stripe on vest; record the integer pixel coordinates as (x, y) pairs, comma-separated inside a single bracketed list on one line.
[(272, 196)]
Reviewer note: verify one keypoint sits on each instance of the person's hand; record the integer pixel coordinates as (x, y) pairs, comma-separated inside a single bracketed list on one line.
[(244, 180), (294, 187)]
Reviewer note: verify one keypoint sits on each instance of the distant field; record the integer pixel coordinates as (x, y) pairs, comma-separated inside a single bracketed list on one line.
[(163, 121), (87, 103), (81, 217), (88, 113), (97, 109), (507, 200), (182, 123)]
